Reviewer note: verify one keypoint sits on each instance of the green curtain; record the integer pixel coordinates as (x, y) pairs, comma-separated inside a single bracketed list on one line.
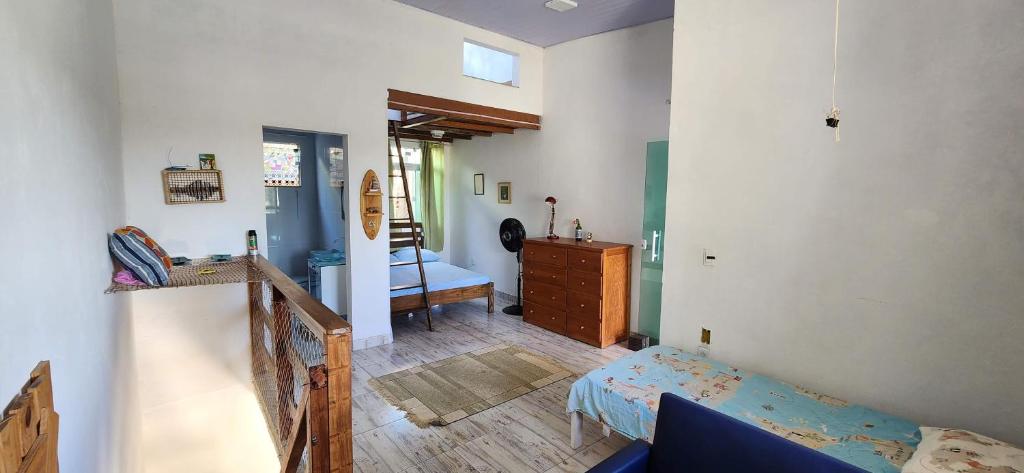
[(431, 200)]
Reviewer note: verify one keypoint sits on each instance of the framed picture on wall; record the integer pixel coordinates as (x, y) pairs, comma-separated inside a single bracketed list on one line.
[(207, 161), (478, 184), (504, 192)]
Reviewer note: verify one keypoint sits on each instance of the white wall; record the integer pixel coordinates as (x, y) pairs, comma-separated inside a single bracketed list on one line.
[(886, 269), (206, 76), (604, 99), (194, 372), (60, 129)]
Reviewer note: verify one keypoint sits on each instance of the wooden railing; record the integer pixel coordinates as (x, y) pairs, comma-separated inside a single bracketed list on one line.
[(302, 371), (29, 425)]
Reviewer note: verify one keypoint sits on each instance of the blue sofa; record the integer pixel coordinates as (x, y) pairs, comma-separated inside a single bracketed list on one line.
[(690, 438)]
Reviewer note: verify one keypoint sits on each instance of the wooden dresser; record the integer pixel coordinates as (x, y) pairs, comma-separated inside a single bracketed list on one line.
[(577, 289)]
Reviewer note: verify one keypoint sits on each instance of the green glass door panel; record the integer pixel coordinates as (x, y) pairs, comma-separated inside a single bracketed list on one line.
[(653, 250)]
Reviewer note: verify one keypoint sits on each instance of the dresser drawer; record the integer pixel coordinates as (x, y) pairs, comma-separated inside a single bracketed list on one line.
[(544, 294), (589, 283), (553, 320), (588, 261), (544, 254), (588, 331), (583, 306), (545, 273)]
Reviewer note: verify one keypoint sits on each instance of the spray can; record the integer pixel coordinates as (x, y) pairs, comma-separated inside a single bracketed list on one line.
[(251, 243)]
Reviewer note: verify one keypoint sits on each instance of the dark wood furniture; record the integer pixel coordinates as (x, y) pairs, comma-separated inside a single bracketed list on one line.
[(578, 289)]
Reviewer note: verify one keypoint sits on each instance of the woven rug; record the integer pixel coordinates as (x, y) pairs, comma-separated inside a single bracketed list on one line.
[(445, 391)]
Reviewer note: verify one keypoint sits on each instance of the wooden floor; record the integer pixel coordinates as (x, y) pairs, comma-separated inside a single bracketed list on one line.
[(527, 434)]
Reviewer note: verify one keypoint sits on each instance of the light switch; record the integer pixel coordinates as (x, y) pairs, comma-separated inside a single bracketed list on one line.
[(709, 257)]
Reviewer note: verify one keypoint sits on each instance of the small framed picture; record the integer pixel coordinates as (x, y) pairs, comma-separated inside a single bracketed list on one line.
[(478, 184), (207, 161), (504, 192)]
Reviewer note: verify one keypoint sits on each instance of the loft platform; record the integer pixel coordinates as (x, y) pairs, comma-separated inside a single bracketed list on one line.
[(427, 118), (240, 269)]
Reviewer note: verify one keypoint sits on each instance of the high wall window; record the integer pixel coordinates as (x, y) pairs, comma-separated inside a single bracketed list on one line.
[(281, 165), (489, 63)]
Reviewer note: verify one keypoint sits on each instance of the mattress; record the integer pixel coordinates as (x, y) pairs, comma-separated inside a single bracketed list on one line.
[(625, 396), (440, 276)]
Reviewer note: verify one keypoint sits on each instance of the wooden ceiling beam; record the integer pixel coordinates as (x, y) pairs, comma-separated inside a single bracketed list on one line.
[(415, 132), (474, 126), (462, 131), (453, 109), (410, 136), (421, 120)]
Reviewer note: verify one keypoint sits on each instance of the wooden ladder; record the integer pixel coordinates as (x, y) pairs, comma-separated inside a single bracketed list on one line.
[(411, 222)]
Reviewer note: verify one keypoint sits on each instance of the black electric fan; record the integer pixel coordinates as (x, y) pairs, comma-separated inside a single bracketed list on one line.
[(512, 234)]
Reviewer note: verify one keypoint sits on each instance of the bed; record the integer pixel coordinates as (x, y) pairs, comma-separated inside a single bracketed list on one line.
[(446, 284), (624, 396)]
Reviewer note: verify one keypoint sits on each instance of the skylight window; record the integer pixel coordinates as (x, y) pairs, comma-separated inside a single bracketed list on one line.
[(489, 63)]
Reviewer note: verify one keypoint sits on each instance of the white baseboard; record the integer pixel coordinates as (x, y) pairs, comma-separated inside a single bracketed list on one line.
[(504, 298), (370, 342)]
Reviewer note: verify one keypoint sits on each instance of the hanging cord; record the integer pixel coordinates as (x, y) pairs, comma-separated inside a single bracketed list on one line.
[(834, 113)]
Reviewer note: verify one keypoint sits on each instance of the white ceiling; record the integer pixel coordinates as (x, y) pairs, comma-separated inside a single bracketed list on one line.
[(531, 21)]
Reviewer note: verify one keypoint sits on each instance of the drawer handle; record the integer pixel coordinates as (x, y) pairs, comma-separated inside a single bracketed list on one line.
[(581, 327), (554, 256), (583, 283), (552, 297), (583, 261), (554, 277), (552, 318), (531, 292), (581, 306)]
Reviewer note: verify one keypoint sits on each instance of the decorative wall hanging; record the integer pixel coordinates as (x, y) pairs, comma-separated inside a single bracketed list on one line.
[(192, 186), (832, 118), (370, 204), (504, 192)]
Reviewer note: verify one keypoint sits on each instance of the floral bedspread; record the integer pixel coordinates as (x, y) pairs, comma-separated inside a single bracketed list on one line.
[(625, 395)]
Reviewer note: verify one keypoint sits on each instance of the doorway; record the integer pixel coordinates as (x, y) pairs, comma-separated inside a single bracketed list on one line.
[(304, 185), (652, 255)]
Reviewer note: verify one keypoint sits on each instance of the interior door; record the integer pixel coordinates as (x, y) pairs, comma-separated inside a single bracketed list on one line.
[(653, 245), (292, 212)]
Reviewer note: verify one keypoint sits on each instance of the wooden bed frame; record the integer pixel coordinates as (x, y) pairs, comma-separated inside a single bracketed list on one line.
[(402, 237), (411, 302)]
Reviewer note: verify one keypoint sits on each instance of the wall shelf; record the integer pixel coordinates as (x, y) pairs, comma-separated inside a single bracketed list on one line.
[(371, 204)]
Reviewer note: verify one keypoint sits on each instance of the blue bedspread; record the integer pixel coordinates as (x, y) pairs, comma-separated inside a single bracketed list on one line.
[(625, 396), (440, 276)]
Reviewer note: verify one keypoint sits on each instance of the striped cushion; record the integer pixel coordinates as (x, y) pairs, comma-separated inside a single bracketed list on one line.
[(139, 259), (151, 243)]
